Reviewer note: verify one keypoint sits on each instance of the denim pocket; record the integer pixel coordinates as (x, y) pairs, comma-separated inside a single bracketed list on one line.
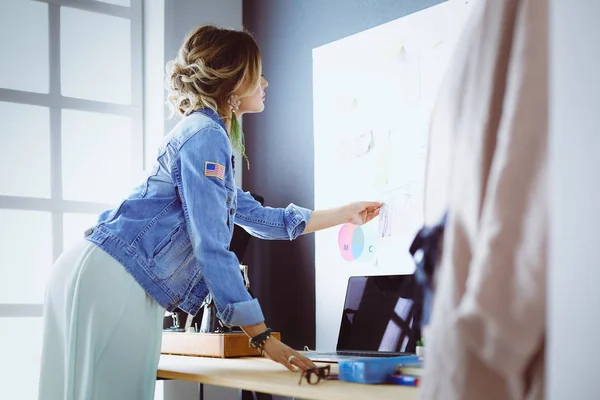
[(172, 252)]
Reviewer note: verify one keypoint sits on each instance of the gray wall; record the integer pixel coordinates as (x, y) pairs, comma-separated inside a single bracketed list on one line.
[(573, 325), (280, 140)]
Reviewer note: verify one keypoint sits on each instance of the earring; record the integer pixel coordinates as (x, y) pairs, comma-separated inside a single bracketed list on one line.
[(234, 102)]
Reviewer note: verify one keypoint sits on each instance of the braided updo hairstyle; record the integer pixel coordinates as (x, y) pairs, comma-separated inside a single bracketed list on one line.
[(211, 64)]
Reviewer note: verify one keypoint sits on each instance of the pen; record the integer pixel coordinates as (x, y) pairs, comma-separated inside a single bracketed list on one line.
[(404, 380)]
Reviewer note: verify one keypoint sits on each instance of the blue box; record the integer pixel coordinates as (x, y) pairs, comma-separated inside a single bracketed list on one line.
[(374, 370)]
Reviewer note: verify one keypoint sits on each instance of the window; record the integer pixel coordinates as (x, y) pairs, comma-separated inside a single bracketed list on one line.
[(70, 147)]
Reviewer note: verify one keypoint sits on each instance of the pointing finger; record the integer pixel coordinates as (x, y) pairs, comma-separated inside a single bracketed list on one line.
[(371, 204)]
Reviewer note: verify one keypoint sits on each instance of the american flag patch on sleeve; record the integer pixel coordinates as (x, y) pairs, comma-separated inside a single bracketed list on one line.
[(214, 169)]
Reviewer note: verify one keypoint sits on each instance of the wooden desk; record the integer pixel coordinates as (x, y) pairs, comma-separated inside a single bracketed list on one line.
[(258, 374)]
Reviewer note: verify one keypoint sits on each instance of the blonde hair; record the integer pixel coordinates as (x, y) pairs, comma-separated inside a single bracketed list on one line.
[(211, 64)]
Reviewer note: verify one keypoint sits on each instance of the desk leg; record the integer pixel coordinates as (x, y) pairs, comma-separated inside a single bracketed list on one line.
[(201, 391), (247, 395)]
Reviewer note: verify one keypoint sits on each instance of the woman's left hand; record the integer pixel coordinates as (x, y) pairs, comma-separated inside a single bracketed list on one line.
[(361, 212)]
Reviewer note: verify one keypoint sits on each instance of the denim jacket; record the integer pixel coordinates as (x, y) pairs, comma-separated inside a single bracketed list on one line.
[(172, 233)]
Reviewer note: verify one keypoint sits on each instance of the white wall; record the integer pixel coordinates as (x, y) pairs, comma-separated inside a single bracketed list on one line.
[(573, 352), (154, 67)]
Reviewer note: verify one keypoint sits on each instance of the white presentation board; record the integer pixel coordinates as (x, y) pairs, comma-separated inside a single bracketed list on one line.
[(373, 93)]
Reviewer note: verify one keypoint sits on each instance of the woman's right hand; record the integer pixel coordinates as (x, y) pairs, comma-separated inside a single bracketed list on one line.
[(286, 356)]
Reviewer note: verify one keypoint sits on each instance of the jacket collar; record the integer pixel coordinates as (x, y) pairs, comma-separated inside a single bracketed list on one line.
[(212, 115)]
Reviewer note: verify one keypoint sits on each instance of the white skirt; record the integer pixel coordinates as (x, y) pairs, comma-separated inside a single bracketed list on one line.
[(102, 332)]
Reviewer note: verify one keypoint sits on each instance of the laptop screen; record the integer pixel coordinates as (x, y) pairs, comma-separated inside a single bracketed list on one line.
[(380, 314)]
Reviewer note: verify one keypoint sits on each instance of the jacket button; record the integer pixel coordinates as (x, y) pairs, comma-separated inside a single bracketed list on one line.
[(88, 232), (231, 211)]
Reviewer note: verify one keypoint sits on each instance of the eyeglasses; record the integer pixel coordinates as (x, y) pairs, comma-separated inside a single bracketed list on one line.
[(314, 375)]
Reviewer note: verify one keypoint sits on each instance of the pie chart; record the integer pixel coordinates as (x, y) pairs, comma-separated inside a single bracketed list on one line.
[(356, 243)]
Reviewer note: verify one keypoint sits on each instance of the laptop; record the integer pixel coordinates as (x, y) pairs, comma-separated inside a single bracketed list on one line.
[(380, 319)]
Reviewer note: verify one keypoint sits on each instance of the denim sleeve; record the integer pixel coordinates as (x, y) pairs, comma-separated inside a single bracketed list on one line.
[(270, 223), (204, 201)]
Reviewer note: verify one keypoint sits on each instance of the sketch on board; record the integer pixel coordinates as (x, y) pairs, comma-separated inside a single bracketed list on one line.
[(358, 145), (385, 221), (401, 213)]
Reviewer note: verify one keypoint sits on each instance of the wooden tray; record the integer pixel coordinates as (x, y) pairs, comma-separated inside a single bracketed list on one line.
[(221, 345)]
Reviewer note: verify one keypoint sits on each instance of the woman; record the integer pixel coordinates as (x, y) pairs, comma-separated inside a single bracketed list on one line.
[(166, 245)]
